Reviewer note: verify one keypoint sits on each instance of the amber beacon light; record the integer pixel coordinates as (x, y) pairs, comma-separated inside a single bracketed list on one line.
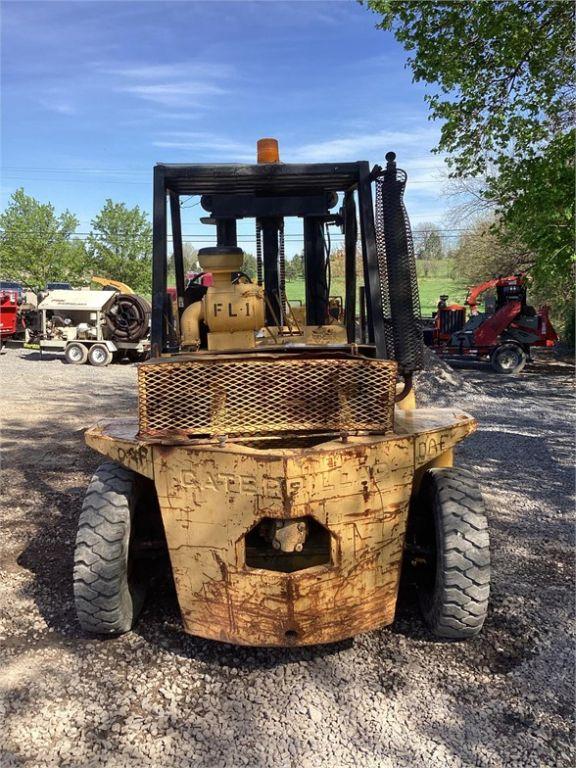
[(268, 151)]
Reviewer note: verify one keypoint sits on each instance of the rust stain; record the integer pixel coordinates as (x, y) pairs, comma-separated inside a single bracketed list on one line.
[(359, 491)]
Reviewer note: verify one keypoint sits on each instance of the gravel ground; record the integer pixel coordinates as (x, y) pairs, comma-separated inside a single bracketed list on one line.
[(393, 698)]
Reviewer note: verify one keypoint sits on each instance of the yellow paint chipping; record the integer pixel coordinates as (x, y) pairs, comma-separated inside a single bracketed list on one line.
[(359, 490)]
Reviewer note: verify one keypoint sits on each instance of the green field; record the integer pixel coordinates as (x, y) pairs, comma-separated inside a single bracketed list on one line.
[(430, 290), (432, 287)]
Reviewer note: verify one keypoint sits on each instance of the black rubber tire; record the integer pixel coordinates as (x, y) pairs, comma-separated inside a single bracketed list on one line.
[(99, 355), (71, 350), (136, 357), (109, 590), (455, 587), (508, 358)]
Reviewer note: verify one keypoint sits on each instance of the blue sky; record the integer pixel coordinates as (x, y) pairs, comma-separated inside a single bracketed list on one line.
[(95, 93)]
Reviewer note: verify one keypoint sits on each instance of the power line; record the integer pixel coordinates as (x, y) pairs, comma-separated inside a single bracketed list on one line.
[(207, 236), (434, 230), (116, 170), (148, 181)]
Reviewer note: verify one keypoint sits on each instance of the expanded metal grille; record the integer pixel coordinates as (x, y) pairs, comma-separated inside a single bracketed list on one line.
[(397, 266), (265, 396), (383, 272)]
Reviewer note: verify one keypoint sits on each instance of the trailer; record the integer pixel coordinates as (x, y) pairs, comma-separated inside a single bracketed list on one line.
[(93, 326)]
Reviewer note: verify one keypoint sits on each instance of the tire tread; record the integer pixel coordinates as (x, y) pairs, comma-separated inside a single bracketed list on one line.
[(462, 591), (101, 594)]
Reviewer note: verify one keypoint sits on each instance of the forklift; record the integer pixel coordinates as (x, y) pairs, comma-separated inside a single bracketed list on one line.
[(278, 456)]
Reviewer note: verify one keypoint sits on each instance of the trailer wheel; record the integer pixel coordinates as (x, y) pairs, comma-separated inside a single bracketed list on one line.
[(135, 356), (508, 358), (110, 581), (99, 355), (76, 354), (449, 532)]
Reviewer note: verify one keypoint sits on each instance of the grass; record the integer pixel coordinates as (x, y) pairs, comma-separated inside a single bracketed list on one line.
[(430, 289)]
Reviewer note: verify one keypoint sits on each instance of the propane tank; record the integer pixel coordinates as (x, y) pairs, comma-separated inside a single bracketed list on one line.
[(232, 311)]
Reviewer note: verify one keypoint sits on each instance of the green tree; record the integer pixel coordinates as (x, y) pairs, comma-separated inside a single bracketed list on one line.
[(295, 267), (36, 246), (502, 83), (190, 259), (120, 246), (482, 254), (503, 71), (428, 245), (536, 200), (250, 266)]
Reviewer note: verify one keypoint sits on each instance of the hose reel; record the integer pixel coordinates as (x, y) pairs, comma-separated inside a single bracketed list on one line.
[(128, 318)]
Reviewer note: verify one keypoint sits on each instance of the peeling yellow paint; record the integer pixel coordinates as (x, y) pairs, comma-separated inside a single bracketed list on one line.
[(211, 496)]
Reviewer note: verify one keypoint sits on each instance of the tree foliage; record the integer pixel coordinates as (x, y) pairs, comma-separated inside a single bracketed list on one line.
[(503, 70), (295, 267), (190, 259), (36, 246), (428, 246), (481, 254), (249, 267), (120, 245), (502, 83), (536, 200)]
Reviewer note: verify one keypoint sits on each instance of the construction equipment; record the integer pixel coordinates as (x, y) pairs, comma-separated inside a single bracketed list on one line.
[(504, 333), (284, 464), (8, 315), (93, 326), (112, 285)]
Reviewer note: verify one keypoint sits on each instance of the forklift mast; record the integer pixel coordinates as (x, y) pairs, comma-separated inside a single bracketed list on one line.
[(269, 191)]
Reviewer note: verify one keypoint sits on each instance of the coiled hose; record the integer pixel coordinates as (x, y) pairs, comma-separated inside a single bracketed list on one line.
[(128, 318)]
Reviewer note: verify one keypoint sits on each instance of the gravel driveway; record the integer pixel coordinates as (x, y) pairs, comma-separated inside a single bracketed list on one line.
[(393, 698)]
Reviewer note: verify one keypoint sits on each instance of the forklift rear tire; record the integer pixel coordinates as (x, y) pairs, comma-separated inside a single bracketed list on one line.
[(109, 581), (454, 584), (508, 358), (99, 355), (76, 354)]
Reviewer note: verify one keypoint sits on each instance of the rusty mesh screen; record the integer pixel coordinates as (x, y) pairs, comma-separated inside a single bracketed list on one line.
[(240, 397)]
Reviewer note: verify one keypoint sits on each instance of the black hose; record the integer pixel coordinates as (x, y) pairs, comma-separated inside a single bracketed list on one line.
[(128, 318), (237, 275)]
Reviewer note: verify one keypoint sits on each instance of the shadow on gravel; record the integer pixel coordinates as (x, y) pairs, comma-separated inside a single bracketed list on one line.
[(504, 643), (516, 456), (36, 357), (160, 625), (47, 463), (547, 366), (47, 469)]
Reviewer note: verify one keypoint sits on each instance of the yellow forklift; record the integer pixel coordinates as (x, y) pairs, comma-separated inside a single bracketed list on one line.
[(279, 456)]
